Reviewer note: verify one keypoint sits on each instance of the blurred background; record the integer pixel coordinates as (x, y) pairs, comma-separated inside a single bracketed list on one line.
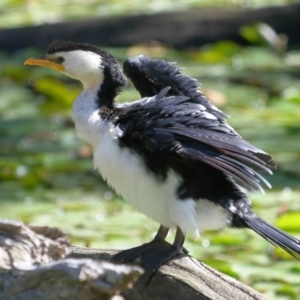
[(246, 56)]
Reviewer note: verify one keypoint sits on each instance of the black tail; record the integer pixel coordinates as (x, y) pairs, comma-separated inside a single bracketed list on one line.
[(274, 235)]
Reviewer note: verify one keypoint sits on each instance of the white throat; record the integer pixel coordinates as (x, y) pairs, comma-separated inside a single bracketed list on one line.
[(88, 122), (86, 66)]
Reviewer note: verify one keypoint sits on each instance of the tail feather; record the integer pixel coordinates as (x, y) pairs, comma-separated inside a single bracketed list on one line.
[(274, 235)]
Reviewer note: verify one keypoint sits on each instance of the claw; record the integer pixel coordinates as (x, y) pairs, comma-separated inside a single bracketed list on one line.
[(153, 254)]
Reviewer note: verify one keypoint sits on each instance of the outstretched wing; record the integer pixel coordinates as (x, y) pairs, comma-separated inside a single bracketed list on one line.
[(150, 76), (179, 123)]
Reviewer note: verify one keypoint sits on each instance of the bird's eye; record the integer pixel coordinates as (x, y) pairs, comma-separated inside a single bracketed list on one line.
[(60, 60)]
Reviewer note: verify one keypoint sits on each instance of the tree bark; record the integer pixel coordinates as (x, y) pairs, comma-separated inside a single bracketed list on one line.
[(38, 263), (33, 265), (181, 278), (175, 29)]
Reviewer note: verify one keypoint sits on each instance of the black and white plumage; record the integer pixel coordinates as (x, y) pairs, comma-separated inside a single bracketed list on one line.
[(171, 155)]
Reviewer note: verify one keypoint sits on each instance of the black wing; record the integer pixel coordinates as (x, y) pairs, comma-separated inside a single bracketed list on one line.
[(180, 123), (150, 76)]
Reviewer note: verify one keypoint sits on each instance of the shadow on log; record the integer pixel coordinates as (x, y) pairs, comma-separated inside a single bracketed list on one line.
[(174, 29), (38, 263)]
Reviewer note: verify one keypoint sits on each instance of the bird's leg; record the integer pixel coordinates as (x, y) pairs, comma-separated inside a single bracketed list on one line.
[(136, 252), (155, 253), (154, 258), (161, 233)]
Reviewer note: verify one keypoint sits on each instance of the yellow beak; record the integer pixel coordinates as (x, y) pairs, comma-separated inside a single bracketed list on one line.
[(44, 62)]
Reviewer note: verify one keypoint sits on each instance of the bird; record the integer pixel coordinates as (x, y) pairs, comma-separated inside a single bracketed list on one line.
[(171, 154)]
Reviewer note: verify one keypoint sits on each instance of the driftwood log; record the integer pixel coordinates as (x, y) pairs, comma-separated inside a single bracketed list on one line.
[(33, 265), (175, 29), (39, 263)]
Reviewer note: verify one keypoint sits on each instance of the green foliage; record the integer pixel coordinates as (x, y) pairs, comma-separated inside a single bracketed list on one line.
[(26, 12), (289, 222)]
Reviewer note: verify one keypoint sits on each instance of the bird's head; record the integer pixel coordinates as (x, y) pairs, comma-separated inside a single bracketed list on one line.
[(87, 63)]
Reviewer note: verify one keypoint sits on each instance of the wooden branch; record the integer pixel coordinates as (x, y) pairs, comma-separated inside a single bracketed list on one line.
[(182, 278), (33, 266), (38, 263), (176, 29)]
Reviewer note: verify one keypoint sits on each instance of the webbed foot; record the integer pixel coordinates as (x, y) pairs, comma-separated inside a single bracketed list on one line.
[(155, 253)]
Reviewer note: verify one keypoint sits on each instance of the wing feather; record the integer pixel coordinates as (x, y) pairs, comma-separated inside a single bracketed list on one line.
[(176, 120)]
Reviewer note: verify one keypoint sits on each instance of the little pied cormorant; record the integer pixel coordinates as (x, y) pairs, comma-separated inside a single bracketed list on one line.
[(171, 155)]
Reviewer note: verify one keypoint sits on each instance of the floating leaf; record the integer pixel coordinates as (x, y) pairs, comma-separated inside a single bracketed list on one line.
[(289, 221)]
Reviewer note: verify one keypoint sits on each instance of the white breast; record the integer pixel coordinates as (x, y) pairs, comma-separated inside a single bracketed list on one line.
[(126, 173)]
